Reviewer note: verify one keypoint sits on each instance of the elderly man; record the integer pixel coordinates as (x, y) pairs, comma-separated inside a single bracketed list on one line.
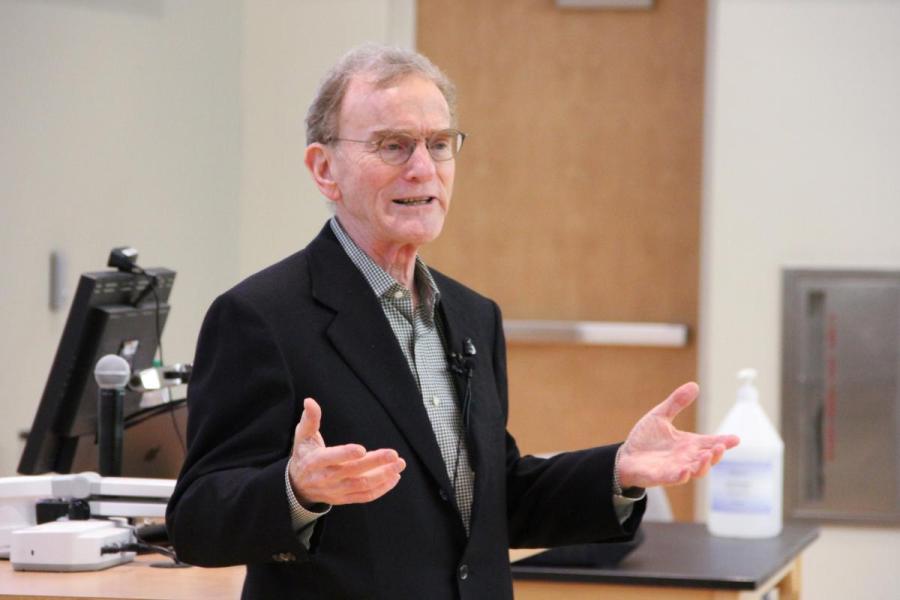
[(348, 410)]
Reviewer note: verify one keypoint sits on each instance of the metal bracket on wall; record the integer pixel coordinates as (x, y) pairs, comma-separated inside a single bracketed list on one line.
[(596, 333), (606, 4)]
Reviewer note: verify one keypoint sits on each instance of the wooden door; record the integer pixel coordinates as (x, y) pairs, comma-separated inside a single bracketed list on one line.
[(577, 197)]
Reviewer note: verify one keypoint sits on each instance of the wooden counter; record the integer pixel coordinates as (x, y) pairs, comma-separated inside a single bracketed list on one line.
[(133, 581), (676, 561)]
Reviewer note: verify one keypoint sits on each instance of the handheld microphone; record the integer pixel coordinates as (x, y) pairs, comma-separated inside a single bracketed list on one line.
[(111, 374)]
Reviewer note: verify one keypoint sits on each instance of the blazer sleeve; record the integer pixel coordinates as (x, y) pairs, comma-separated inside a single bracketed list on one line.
[(566, 499), (230, 504)]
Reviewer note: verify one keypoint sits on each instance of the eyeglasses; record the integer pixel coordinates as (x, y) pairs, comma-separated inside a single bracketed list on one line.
[(396, 148)]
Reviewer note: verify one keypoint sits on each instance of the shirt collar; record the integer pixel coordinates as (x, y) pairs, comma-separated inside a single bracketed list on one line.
[(381, 282)]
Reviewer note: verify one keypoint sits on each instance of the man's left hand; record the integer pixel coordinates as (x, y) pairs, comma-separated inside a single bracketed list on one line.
[(656, 453)]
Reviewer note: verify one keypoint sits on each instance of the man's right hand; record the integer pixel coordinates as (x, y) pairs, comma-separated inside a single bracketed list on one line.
[(347, 474)]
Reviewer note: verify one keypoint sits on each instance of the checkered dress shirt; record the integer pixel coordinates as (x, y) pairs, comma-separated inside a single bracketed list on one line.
[(418, 332)]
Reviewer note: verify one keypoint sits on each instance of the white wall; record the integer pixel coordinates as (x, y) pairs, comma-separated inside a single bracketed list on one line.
[(288, 46), (119, 124), (801, 170), (172, 126)]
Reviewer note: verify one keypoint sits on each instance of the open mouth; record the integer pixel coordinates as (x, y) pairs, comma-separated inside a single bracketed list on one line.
[(416, 201)]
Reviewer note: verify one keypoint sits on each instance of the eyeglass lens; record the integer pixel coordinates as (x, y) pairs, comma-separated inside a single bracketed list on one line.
[(442, 145)]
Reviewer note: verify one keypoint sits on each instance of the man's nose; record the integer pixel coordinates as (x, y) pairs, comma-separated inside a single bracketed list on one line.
[(420, 164)]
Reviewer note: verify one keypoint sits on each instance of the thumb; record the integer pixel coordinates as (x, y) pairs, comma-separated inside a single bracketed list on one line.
[(310, 420), (677, 401)]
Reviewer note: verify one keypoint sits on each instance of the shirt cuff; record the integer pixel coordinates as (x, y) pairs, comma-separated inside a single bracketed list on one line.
[(624, 505), (301, 517), (624, 500)]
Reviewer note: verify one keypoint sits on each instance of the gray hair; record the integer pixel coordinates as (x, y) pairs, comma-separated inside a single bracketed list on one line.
[(387, 64)]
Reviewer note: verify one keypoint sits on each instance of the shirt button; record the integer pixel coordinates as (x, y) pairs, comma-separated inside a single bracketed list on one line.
[(436, 400), (464, 572), (398, 294)]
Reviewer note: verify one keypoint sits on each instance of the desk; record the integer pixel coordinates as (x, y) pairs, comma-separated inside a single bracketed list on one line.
[(680, 561), (132, 581), (677, 561)]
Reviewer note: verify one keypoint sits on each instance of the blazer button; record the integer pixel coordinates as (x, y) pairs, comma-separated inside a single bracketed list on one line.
[(284, 557), (444, 495), (464, 572)]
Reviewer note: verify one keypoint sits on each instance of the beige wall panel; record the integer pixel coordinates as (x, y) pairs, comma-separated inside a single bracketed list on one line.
[(577, 194), (803, 140)]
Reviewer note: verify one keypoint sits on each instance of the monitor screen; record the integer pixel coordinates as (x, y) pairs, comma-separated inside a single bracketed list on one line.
[(152, 444), (112, 313)]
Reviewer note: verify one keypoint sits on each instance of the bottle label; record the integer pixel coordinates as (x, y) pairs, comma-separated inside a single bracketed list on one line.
[(743, 487)]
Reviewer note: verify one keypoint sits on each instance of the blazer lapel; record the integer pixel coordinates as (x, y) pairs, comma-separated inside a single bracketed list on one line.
[(458, 328), (363, 337), (486, 430)]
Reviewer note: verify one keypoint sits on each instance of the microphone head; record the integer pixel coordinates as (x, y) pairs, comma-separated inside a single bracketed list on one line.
[(112, 372)]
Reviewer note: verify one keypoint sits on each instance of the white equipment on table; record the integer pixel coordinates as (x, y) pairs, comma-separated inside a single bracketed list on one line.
[(75, 544), (70, 546)]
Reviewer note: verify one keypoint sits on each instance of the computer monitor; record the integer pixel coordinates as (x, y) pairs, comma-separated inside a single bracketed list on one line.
[(153, 443), (112, 313)]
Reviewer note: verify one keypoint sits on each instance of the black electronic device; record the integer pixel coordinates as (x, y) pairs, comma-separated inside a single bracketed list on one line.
[(113, 312)]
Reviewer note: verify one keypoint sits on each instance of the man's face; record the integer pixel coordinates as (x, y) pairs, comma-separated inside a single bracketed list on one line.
[(385, 206)]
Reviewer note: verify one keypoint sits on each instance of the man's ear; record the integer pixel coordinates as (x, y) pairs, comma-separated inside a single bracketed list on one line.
[(318, 160)]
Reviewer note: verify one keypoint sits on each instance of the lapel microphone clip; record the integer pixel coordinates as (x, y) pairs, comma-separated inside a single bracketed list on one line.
[(464, 364)]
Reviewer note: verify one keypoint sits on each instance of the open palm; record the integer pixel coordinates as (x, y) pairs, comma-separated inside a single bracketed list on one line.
[(656, 453)]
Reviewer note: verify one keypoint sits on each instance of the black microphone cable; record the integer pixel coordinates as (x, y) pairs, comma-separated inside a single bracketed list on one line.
[(462, 364)]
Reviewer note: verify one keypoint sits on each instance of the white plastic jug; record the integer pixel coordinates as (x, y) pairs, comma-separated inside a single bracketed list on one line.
[(745, 488)]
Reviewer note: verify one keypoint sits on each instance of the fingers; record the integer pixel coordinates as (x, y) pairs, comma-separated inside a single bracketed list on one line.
[(377, 491), (324, 458), (338, 474), (674, 466), (706, 460), (704, 464), (372, 484), (350, 460), (718, 453), (310, 420), (343, 488), (344, 474), (728, 441), (677, 401), (372, 460)]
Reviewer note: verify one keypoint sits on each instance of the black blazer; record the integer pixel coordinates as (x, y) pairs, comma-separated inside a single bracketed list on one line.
[(311, 326)]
